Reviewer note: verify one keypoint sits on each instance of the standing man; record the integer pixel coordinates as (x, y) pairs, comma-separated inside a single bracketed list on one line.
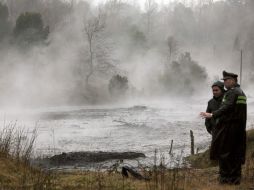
[(229, 143)]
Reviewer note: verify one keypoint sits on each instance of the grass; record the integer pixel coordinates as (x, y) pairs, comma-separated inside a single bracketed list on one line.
[(17, 173), (15, 154), (185, 179), (202, 160)]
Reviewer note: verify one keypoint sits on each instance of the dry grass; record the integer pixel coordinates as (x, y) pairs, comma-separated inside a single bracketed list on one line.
[(16, 147), (16, 172), (184, 179)]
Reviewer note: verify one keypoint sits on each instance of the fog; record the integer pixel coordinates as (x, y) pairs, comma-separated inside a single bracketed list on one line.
[(117, 75), (166, 52)]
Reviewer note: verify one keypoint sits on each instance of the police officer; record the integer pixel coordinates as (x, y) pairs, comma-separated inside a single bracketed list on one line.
[(229, 143)]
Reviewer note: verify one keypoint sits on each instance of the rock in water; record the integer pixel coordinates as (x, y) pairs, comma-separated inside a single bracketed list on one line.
[(73, 158)]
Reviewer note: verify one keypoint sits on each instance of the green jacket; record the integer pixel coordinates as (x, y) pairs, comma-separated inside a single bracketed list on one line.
[(229, 138), (233, 107)]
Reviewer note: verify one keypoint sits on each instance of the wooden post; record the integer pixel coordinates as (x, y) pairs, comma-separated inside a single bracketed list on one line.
[(192, 142), (197, 150), (171, 147)]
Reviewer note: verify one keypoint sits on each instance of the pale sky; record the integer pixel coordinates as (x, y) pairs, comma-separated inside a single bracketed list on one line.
[(160, 2)]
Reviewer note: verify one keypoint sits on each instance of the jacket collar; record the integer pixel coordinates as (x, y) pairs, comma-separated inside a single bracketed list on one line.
[(218, 98)]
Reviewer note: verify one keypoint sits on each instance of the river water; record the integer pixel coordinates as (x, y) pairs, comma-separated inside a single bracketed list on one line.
[(141, 128)]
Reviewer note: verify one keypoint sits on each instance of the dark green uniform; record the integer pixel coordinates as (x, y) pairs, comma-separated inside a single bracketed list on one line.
[(229, 142)]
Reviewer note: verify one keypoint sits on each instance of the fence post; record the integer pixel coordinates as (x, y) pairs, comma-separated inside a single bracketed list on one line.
[(192, 142), (171, 147)]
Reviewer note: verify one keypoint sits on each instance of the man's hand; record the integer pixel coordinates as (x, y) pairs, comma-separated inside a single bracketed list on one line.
[(206, 115)]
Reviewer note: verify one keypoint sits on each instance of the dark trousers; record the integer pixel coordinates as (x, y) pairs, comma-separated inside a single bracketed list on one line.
[(230, 171)]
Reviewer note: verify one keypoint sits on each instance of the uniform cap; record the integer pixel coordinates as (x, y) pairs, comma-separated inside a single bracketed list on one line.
[(227, 75)]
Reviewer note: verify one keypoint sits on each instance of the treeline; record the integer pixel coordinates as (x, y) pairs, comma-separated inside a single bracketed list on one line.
[(89, 53)]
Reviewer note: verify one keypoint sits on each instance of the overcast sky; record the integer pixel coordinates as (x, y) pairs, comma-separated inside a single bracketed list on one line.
[(160, 2)]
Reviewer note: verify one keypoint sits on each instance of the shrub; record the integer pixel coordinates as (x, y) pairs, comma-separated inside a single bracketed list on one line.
[(184, 76), (29, 28), (118, 85)]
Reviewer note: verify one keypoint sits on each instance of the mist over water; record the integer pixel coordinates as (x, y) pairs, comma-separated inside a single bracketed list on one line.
[(117, 77)]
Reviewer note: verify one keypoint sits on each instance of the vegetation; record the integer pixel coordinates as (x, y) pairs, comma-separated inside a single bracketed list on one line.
[(201, 160), (188, 74), (86, 46), (30, 29), (17, 172), (4, 23), (118, 85)]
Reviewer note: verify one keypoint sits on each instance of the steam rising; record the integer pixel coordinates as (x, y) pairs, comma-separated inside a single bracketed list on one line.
[(145, 46)]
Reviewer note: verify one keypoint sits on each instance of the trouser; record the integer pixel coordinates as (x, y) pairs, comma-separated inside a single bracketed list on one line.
[(230, 171)]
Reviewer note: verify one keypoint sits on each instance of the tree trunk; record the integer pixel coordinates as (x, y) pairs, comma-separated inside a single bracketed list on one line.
[(91, 60)]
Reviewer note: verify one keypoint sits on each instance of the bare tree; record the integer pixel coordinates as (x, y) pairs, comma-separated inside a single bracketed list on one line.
[(11, 6), (150, 7), (172, 47), (113, 7), (92, 28)]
